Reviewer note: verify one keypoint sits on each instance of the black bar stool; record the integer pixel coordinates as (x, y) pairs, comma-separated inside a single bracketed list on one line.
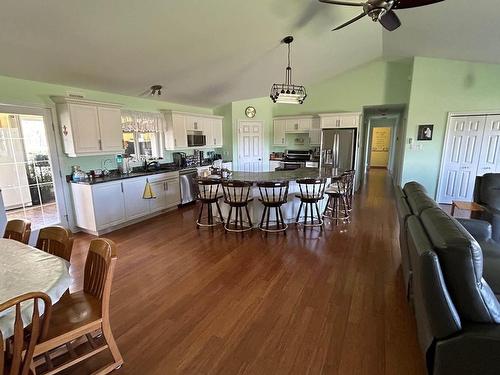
[(272, 196), (237, 196), (208, 193), (311, 192), (350, 187), (337, 205)]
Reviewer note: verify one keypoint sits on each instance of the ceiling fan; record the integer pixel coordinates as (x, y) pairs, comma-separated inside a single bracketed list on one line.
[(154, 90), (382, 10)]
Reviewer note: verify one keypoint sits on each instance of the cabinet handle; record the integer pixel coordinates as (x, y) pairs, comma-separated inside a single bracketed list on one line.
[(121, 186), (175, 142), (100, 144), (195, 126), (283, 140), (166, 185), (215, 142)]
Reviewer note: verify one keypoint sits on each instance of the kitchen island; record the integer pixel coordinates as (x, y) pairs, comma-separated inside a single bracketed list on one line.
[(289, 209)]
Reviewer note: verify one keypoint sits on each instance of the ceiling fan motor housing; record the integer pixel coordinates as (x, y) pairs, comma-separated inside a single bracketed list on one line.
[(377, 8)]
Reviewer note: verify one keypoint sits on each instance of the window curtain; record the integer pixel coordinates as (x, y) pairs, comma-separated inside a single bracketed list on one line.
[(144, 122)]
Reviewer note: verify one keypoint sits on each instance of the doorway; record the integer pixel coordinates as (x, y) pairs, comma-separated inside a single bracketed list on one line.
[(30, 182), (380, 149), (250, 146)]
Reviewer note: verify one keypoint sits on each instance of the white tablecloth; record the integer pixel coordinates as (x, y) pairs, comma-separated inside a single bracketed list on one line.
[(24, 269)]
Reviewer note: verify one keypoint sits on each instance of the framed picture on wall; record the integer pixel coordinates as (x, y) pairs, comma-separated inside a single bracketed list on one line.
[(425, 132)]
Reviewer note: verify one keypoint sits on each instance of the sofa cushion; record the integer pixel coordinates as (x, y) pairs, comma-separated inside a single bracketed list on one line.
[(413, 186), (420, 201), (461, 261)]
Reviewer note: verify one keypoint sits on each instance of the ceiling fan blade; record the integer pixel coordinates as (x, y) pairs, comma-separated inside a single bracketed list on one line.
[(349, 22), (342, 3), (390, 21), (406, 4)]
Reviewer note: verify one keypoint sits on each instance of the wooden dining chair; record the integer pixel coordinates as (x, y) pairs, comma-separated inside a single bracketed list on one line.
[(77, 316), (16, 358), (57, 241), (19, 230)]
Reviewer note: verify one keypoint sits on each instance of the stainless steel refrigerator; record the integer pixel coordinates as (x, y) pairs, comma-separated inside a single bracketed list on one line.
[(338, 148)]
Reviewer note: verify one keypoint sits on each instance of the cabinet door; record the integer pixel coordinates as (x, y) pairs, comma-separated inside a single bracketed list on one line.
[(194, 123), (348, 121), (179, 131), (109, 207), (305, 124), (292, 125), (85, 128), (110, 125), (330, 122), (135, 205), (159, 190), (279, 132), (217, 132), (172, 192), (315, 137)]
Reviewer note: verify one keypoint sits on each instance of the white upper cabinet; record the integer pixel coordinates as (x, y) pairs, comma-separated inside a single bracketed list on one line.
[(110, 128), (89, 128), (217, 134), (340, 120), (180, 123), (279, 132)]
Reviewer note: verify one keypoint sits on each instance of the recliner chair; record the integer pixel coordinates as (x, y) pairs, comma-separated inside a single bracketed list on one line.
[(487, 194)]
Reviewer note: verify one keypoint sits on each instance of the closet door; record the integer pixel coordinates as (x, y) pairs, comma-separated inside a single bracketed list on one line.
[(489, 162), (461, 158)]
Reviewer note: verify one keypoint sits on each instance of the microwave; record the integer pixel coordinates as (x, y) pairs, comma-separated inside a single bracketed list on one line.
[(196, 139)]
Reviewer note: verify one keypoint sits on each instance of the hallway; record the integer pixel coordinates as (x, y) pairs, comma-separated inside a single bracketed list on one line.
[(201, 302)]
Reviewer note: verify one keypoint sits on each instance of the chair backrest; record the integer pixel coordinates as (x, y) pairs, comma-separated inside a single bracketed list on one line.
[(17, 361), (236, 191), (273, 191), (350, 174), (487, 190), (99, 270), (435, 312), (461, 260), (312, 188), (19, 230), (57, 241), (207, 188)]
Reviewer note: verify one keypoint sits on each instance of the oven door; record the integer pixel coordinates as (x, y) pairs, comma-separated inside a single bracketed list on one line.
[(290, 166)]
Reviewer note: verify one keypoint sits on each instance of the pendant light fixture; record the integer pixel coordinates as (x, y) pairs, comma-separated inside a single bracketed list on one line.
[(287, 92)]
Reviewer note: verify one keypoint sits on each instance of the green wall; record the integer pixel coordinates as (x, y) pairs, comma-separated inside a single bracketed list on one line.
[(23, 92), (227, 129), (439, 87)]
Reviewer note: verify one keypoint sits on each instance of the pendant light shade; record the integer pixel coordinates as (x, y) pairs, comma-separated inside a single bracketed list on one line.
[(287, 92)]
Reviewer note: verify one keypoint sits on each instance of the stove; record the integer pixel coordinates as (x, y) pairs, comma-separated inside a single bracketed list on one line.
[(294, 159)]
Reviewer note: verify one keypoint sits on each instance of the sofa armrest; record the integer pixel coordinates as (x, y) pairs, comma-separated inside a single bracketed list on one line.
[(479, 229), (473, 351)]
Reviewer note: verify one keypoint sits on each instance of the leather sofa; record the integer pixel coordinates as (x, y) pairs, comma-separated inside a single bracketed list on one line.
[(487, 194), (454, 286)]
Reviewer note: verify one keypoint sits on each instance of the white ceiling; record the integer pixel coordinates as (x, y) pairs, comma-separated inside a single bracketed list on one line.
[(210, 52)]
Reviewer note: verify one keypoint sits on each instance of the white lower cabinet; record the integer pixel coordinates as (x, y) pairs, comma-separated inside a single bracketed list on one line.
[(100, 208)]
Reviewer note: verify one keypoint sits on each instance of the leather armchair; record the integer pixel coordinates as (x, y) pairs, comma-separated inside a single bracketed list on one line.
[(487, 194)]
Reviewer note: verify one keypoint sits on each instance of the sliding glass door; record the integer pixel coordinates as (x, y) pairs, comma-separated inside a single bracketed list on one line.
[(27, 171)]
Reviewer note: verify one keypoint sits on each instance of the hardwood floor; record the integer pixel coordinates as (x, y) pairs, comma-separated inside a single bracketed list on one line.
[(199, 302)]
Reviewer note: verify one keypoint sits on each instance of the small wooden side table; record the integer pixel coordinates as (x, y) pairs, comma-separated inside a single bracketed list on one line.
[(467, 206)]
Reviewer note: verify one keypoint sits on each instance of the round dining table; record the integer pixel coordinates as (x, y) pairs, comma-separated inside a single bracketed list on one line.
[(25, 269)]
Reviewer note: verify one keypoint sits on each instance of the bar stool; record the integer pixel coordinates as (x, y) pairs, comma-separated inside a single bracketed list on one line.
[(272, 196), (350, 187), (337, 205), (208, 193), (311, 192), (237, 196)]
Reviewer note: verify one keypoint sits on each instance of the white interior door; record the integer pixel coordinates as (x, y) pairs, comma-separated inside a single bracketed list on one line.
[(461, 158), (250, 146), (489, 161)]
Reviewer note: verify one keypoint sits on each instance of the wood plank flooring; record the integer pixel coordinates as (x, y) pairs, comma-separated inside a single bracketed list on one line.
[(187, 301)]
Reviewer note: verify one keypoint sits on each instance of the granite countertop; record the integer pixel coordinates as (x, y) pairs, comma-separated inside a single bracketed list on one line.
[(116, 176), (292, 175)]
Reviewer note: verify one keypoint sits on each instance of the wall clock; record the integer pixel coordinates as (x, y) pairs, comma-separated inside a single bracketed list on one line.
[(250, 112)]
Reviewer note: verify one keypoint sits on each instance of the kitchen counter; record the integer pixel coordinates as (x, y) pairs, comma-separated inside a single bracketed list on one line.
[(115, 176), (291, 175)]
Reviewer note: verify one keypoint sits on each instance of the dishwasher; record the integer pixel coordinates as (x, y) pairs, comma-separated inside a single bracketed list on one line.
[(187, 179)]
